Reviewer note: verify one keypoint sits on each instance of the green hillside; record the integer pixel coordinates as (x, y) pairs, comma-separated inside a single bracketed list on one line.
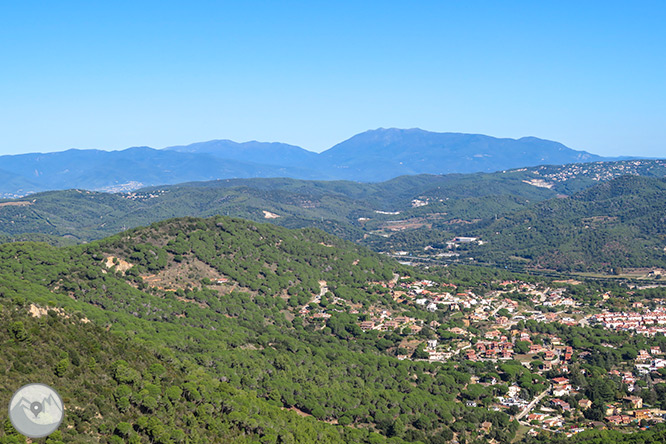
[(117, 391), (206, 330), (156, 288), (610, 226), (335, 207)]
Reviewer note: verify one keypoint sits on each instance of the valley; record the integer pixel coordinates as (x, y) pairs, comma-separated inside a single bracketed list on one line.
[(332, 223)]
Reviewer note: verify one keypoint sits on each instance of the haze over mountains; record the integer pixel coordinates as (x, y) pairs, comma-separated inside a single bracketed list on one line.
[(371, 156)]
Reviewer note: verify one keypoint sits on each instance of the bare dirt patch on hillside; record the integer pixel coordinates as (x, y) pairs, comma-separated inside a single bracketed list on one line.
[(20, 203), (37, 312), (400, 225), (120, 264), (189, 273)]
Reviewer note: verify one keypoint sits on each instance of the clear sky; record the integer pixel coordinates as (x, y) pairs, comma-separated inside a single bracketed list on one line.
[(115, 74)]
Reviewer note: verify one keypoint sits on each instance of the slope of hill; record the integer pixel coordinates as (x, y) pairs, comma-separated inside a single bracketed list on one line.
[(118, 391), (368, 157), (346, 209), (157, 286), (616, 224), (569, 179), (408, 213)]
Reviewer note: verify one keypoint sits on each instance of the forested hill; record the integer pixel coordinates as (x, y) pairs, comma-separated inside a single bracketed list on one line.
[(621, 223), (199, 362), (336, 207), (226, 330), (410, 213), (260, 258), (229, 308)]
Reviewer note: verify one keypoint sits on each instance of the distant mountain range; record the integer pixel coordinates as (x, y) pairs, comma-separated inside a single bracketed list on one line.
[(372, 156)]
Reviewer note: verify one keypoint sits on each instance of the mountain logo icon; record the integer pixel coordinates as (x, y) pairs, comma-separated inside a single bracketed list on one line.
[(36, 410)]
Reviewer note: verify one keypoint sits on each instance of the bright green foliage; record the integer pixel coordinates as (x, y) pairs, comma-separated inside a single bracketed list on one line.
[(225, 364), (61, 368), (230, 415)]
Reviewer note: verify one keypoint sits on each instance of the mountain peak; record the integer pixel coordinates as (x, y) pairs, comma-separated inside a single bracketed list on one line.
[(390, 152)]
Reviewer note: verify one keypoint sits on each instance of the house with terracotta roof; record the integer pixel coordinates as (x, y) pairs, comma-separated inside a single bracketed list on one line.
[(557, 402), (536, 348), (367, 325), (619, 419), (553, 422), (561, 386), (585, 404)]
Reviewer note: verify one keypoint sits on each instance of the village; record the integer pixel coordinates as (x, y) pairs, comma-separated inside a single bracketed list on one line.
[(492, 329)]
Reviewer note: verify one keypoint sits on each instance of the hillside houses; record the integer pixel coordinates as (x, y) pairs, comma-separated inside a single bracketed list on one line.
[(648, 323), (561, 386)]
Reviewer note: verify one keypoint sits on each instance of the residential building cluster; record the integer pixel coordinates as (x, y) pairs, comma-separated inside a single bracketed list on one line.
[(647, 323)]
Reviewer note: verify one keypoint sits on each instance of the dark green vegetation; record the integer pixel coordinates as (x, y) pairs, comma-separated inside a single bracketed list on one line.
[(408, 213), (233, 355), (655, 435), (146, 347), (117, 391), (333, 206), (608, 227)]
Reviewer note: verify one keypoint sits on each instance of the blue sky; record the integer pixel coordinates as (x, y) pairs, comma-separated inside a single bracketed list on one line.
[(110, 75)]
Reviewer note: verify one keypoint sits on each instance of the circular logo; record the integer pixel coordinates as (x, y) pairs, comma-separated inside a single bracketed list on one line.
[(36, 410)]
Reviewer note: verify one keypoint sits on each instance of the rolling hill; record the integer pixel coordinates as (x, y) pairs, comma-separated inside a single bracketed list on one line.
[(343, 208), (607, 227), (408, 213)]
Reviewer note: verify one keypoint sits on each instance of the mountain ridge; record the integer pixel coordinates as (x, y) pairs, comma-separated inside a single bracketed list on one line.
[(372, 156), (442, 153)]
